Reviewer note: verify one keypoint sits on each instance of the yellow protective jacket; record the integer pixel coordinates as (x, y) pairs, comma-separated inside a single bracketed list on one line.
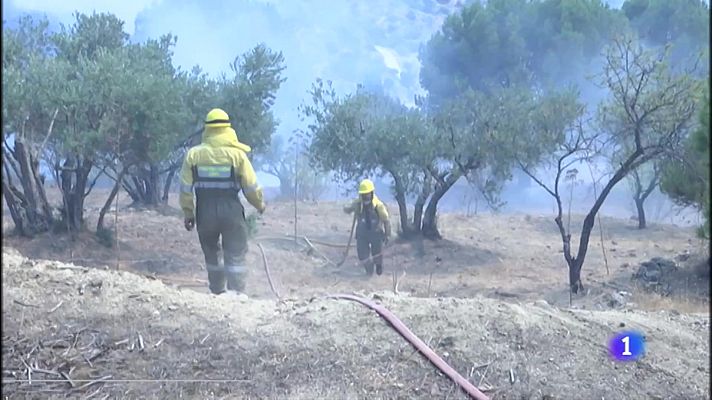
[(219, 146), (381, 210)]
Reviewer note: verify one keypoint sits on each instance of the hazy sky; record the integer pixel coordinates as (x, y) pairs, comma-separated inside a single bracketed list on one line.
[(354, 44), (347, 41)]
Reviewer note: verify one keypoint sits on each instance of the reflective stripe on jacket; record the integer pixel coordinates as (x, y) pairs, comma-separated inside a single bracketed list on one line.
[(212, 163)]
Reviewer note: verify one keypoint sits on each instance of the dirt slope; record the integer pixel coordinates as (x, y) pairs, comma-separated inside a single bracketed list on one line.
[(318, 348)]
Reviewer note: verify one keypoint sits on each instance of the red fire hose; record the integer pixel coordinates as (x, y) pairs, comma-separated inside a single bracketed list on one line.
[(408, 335)]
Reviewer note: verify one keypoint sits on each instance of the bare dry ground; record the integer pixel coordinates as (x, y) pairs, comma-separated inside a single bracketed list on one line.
[(490, 298), (506, 256), (318, 348)]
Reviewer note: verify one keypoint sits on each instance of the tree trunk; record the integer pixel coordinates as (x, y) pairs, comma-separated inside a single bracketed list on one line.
[(47, 210), (130, 190), (29, 208), (143, 186), (641, 194), (430, 223), (14, 209), (407, 231), (418, 212), (167, 184), (639, 205), (112, 196), (79, 196), (633, 161), (286, 188), (575, 276), (75, 176), (153, 194), (420, 203), (26, 177)]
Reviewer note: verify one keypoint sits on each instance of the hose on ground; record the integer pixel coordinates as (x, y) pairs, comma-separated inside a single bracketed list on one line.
[(269, 276), (408, 335), (403, 330), (348, 245)]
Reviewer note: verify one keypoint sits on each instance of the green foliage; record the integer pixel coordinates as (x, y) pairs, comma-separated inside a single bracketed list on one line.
[(249, 95), (687, 179), (544, 124), (425, 151), (114, 104), (121, 100), (684, 24), (649, 105), (28, 77), (516, 43), (365, 133)]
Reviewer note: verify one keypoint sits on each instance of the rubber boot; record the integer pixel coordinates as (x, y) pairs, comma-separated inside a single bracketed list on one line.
[(369, 268), (236, 282), (379, 269), (216, 280)]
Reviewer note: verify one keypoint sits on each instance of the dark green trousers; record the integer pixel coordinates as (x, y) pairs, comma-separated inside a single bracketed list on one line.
[(221, 217), (370, 244)]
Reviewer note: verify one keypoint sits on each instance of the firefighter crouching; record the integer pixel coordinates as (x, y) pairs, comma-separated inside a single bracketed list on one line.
[(217, 169), (373, 229)]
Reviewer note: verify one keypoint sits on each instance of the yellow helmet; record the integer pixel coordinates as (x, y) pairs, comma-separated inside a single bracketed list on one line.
[(217, 118), (366, 186)]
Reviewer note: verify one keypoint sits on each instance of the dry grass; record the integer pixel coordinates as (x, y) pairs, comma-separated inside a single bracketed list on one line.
[(680, 302), (318, 348), (482, 254)]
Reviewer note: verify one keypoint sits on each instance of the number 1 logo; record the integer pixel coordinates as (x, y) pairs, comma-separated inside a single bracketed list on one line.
[(627, 346)]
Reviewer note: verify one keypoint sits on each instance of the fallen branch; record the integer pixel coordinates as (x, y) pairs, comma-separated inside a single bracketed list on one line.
[(66, 376), (482, 378), (69, 267), (204, 339), (316, 241), (430, 283), (266, 266), (56, 307), (24, 304), (309, 244), (94, 382), (140, 341), (396, 280), (314, 249), (476, 367)]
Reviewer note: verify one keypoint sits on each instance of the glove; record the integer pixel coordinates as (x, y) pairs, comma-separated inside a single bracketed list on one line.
[(189, 223), (261, 210)]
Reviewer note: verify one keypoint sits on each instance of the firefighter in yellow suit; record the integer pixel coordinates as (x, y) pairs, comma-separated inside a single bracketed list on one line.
[(373, 229), (218, 169)]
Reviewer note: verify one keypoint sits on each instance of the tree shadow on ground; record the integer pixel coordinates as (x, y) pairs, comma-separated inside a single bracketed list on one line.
[(421, 257)]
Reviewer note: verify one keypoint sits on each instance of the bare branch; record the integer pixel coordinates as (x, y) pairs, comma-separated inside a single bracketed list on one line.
[(49, 131), (526, 170), (93, 182)]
